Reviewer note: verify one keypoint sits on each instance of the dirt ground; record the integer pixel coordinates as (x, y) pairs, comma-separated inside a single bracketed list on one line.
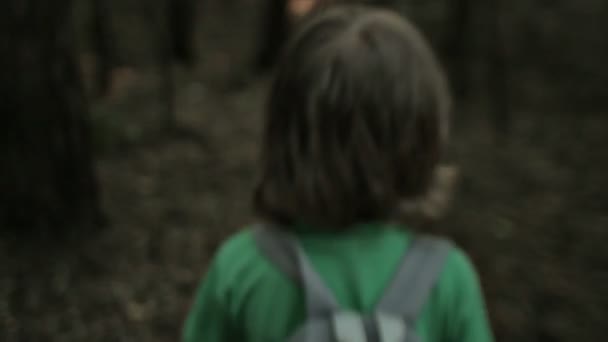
[(532, 213)]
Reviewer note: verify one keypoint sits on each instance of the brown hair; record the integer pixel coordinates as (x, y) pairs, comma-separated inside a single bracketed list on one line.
[(355, 122)]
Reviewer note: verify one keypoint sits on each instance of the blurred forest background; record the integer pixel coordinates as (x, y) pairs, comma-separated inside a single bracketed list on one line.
[(129, 143)]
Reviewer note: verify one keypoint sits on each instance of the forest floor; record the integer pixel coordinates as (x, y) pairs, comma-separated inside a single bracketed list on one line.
[(531, 215)]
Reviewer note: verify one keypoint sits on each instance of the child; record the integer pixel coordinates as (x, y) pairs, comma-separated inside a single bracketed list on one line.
[(356, 121)]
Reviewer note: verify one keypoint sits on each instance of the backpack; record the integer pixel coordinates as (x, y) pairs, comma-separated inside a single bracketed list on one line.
[(395, 314)]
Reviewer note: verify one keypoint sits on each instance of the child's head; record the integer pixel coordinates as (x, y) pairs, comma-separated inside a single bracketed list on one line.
[(356, 120)]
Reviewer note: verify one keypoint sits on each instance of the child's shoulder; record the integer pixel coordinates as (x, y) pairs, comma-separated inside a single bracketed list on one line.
[(237, 246), (459, 273), (239, 262)]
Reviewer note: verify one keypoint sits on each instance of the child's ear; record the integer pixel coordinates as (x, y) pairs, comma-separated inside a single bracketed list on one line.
[(432, 206)]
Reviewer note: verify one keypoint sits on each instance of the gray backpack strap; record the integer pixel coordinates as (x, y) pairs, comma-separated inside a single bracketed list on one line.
[(415, 278), (284, 251)]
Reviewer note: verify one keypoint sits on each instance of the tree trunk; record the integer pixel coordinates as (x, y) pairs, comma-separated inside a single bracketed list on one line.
[(167, 88), (169, 45), (458, 45), (498, 72), (105, 46), (182, 15), (274, 34), (47, 182), (158, 14)]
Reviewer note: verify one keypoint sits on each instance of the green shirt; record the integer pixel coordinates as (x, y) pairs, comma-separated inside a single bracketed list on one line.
[(246, 298)]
